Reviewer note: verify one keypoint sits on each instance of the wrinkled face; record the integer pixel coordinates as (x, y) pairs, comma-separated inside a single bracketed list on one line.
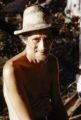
[(37, 45)]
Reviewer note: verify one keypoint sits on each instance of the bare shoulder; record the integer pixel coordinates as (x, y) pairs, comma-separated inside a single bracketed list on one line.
[(8, 68), (12, 63)]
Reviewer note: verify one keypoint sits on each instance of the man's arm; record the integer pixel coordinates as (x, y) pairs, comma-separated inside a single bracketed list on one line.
[(14, 94), (55, 92)]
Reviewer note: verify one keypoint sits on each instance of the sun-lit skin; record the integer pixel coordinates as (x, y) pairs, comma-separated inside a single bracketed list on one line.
[(37, 46)]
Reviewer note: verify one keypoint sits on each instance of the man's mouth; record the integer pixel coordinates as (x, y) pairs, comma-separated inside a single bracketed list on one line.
[(43, 53)]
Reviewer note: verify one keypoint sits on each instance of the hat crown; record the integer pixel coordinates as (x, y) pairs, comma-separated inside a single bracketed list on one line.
[(35, 18)]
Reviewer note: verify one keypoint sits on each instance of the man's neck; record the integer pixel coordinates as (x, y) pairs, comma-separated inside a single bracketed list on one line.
[(31, 63)]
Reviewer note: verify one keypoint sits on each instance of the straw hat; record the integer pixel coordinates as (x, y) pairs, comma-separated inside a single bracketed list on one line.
[(34, 18)]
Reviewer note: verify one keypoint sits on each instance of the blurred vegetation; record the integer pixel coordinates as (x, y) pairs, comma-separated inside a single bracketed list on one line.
[(66, 38)]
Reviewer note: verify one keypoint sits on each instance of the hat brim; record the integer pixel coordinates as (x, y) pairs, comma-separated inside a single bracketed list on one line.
[(32, 28)]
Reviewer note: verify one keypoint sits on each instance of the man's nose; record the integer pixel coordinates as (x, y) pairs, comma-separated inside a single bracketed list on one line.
[(42, 44)]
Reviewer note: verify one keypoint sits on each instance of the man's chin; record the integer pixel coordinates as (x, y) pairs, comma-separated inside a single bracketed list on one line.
[(40, 58)]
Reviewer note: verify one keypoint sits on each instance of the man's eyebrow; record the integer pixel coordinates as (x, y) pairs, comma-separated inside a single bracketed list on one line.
[(35, 36), (38, 36)]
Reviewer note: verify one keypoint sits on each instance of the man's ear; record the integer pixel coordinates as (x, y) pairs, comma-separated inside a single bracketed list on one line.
[(22, 39)]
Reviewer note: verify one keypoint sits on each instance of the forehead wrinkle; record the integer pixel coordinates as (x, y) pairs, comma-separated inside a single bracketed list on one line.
[(38, 36)]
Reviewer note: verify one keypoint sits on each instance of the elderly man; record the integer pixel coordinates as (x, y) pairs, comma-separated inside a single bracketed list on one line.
[(31, 78)]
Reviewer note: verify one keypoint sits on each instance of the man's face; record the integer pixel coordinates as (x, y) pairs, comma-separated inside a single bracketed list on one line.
[(38, 45)]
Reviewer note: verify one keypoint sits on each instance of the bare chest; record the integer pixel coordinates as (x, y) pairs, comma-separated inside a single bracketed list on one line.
[(36, 81)]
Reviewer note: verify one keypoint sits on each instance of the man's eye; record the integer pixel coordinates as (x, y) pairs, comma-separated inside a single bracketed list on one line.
[(35, 41)]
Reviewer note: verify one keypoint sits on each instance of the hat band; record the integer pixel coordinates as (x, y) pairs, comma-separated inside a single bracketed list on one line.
[(32, 28)]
